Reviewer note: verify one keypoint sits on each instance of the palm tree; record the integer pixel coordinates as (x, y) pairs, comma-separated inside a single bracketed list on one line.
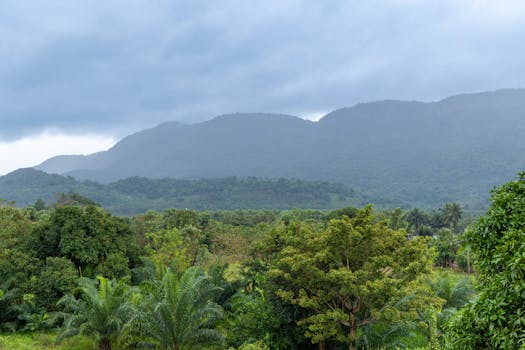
[(101, 311), (176, 313), (392, 335), (416, 219), (456, 293), (10, 308), (397, 219), (451, 214)]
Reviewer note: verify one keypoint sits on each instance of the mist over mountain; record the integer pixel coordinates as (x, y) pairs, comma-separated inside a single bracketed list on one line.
[(425, 154)]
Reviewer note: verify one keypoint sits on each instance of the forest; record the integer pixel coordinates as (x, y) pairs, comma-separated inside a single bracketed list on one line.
[(424, 154), (137, 195), (74, 276)]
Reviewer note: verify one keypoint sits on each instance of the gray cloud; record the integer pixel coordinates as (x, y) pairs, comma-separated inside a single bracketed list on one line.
[(116, 66)]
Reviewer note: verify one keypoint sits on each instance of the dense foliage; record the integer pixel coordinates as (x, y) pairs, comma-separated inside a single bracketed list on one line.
[(264, 279), (138, 195), (496, 318), (425, 154), (348, 274)]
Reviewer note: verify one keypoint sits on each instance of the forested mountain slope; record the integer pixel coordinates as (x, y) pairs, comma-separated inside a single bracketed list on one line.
[(426, 154), (138, 195)]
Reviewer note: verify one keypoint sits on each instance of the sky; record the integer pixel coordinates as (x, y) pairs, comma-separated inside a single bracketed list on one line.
[(76, 76)]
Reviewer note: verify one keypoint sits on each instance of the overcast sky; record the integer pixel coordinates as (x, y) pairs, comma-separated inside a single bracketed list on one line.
[(93, 71)]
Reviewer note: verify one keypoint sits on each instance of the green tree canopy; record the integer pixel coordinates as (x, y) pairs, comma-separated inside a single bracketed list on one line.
[(88, 236), (496, 318), (348, 274)]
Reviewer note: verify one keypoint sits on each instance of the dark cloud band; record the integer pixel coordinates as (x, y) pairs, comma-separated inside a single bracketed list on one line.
[(130, 64)]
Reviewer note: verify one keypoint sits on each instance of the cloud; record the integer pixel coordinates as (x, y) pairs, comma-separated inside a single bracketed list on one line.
[(30, 151), (118, 66)]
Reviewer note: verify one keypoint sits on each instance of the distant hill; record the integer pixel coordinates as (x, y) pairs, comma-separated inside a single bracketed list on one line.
[(425, 154), (137, 195)]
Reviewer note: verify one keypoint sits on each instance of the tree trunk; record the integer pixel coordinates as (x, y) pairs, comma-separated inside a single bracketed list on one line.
[(104, 344), (321, 345), (353, 332)]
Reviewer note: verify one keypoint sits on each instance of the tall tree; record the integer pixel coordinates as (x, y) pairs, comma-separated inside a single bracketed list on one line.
[(451, 213), (88, 236), (397, 219), (416, 218), (348, 274), (496, 318), (446, 244)]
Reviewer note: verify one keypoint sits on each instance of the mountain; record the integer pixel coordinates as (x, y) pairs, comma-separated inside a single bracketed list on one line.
[(425, 154), (137, 195), (230, 145)]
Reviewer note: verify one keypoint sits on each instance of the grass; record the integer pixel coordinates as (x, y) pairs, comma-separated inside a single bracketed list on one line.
[(42, 341)]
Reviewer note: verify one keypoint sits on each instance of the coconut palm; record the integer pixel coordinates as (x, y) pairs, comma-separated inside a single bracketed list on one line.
[(451, 214), (416, 218), (101, 311), (176, 313)]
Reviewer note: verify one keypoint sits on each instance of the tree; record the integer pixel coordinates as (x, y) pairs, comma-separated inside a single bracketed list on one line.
[(397, 219), (166, 248), (17, 265), (101, 311), (447, 245), (455, 293), (57, 277), (176, 313), (348, 274), (495, 319), (451, 214), (15, 227), (88, 236), (180, 218), (73, 198), (39, 204), (416, 219), (258, 317)]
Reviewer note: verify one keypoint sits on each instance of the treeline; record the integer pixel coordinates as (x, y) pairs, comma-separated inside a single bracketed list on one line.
[(302, 279), (137, 195)]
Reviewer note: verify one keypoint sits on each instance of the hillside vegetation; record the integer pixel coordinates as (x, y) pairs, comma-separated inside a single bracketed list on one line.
[(425, 154), (137, 195), (180, 279), (351, 278)]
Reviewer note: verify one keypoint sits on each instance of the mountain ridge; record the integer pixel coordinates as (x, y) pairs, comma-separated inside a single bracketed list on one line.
[(426, 153)]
